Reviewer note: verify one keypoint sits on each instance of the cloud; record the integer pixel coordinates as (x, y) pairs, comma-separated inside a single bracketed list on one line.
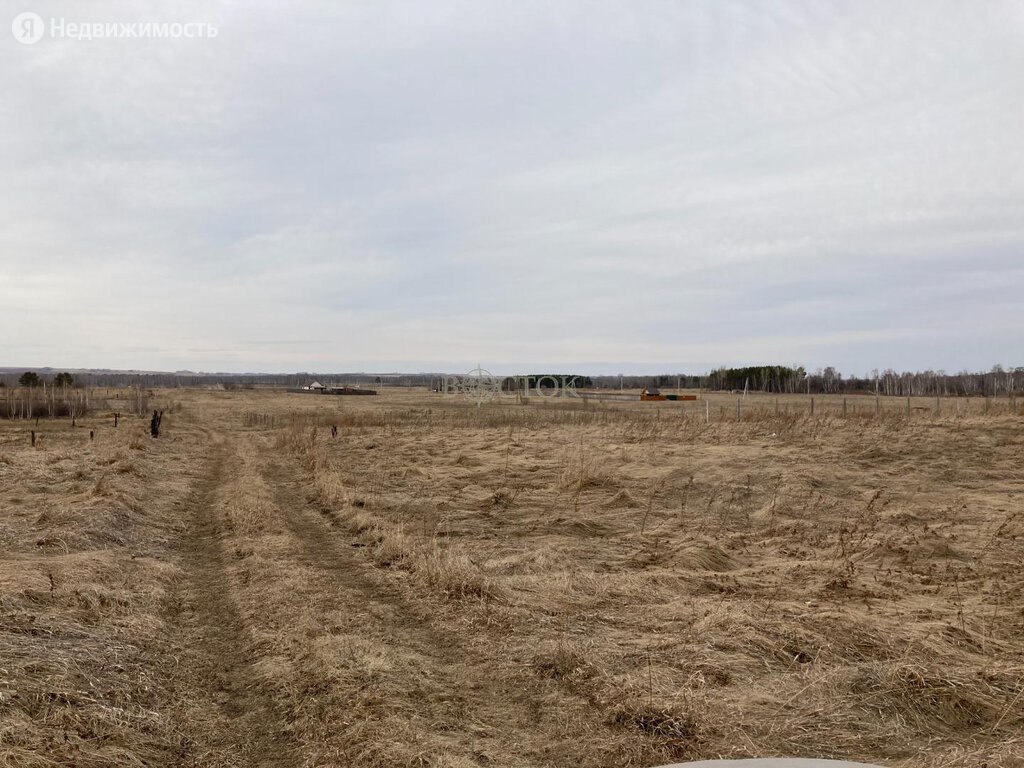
[(678, 184)]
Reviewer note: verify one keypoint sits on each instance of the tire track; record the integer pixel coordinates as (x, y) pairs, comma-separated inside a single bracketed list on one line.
[(475, 697), (228, 719)]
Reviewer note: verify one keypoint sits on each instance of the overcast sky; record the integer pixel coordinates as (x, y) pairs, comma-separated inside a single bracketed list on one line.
[(641, 186)]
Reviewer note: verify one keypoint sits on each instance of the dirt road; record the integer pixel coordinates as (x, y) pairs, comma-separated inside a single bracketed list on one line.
[(333, 663)]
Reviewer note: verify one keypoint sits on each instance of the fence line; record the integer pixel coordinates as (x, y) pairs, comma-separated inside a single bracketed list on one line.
[(906, 407)]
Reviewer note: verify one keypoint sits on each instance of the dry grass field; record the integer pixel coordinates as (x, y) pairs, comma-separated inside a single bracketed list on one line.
[(555, 583)]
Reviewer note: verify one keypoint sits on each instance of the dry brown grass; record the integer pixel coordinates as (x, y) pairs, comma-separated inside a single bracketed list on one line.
[(516, 585), (83, 578)]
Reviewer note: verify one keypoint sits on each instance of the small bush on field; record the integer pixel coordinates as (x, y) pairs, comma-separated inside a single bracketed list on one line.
[(565, 660), (455, 575), (676, 732)]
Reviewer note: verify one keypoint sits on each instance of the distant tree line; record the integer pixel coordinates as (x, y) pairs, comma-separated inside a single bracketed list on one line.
[(762, 378), (996, 382), (787, 379)]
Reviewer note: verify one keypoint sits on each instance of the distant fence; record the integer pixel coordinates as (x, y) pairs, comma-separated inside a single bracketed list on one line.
[(723, 408)]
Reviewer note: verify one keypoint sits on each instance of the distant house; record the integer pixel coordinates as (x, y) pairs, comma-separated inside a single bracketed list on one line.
[(316, 388), (652, 393)]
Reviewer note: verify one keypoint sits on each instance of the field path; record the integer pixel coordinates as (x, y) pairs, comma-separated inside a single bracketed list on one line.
[(289, 646), (235, 721), (476, 705)]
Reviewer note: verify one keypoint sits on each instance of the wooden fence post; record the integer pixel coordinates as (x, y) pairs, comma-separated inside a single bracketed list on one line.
[(33, 438)]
